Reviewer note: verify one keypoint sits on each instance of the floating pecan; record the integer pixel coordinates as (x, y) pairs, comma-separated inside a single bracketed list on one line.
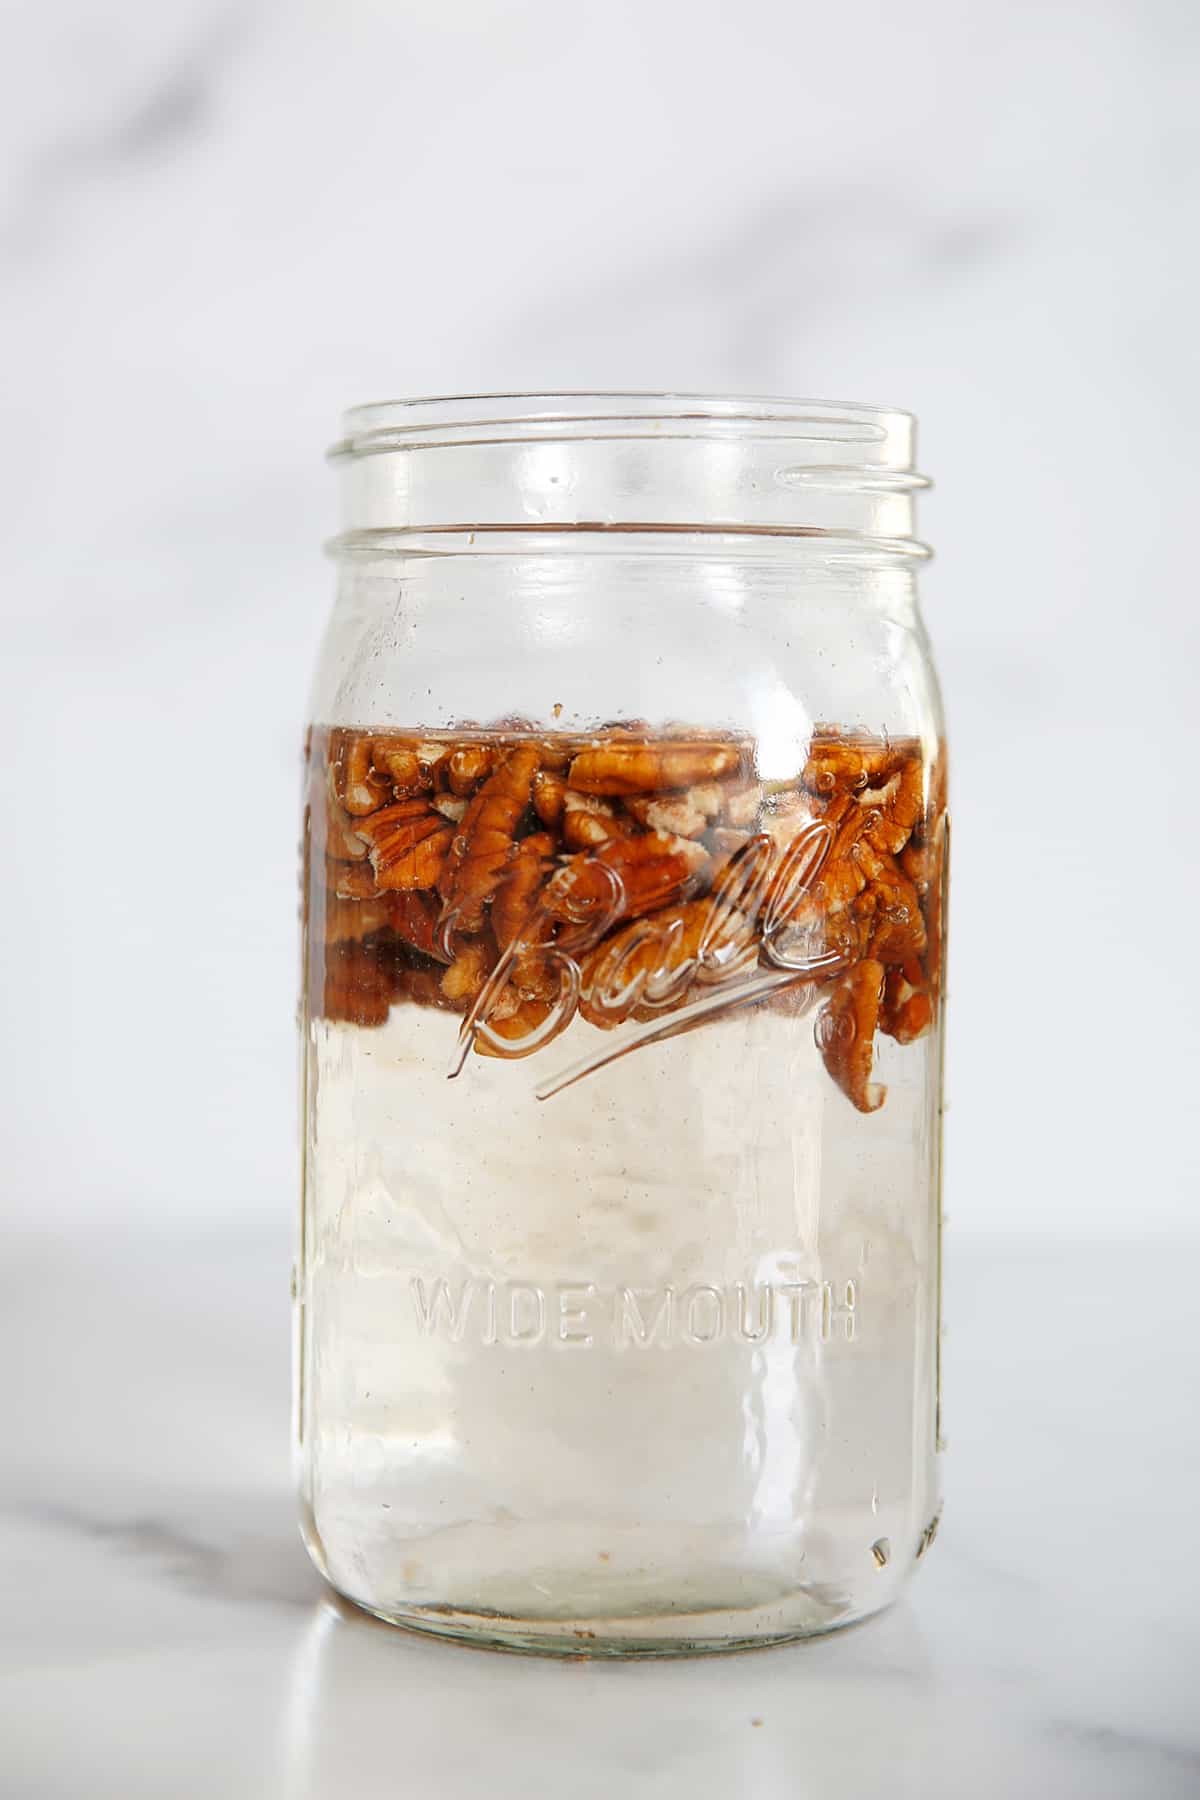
[(845, 1033), (467, 767), (350, 920), (484, 840), (513, 1027), (355, 784), (839, 765), (898, 803), (358, 985), (649, 965), (588, 821), (414, 920), (409, 843), (740, 802), (473, 963), (352, 881), (402, 766), (624, 768), (686, 814), (522, 880), (907, 1010), (343, 841), (549, 794), (626, 877)]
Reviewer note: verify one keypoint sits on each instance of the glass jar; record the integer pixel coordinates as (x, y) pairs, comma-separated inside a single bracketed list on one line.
[(625, 833)]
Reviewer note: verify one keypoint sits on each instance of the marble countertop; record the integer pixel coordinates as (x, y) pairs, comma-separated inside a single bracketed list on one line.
[(163, 1634)]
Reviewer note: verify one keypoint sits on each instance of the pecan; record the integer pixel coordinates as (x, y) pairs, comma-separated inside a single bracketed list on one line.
[(467, 767), (839, 765), (473, 963), (409, 843), (352, 881), (484, 841), (686, 814), (897, 804), (588, 821), (740, 802), (351, 920), (358, 985), (907, 1010), (414, 919), (633, 768), (549, 793), (519, 888), (898, 930), (649, 965), (845, 1033), (627, 876), (522, 1022), (355, 784), (401, 765), (343, 842)]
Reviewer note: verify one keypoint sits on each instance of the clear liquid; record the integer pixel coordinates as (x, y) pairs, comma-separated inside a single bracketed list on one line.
[(650, 1363)]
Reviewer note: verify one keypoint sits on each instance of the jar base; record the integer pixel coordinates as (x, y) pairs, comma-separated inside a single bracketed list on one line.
[(704, 1634)]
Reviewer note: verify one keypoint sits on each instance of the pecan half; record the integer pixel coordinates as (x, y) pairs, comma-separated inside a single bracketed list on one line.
[(409, 843), (627, 876), (623, 768), (358, 985), (483, 843), (355, 784), (845, 1033)]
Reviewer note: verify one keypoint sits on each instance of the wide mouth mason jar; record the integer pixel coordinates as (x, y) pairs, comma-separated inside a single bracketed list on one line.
[(624, 898)]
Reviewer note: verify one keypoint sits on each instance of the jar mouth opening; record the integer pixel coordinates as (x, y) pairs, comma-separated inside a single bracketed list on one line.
[(638, 461), (879, 436)]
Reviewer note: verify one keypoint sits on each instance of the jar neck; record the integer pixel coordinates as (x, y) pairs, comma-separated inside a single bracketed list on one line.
[(660, 465)]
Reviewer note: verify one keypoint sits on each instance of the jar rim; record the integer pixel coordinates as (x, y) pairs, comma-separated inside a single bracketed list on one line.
[(881, 436), (601, 462)]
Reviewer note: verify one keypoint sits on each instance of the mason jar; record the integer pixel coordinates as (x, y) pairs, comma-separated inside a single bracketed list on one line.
[(624, 846)]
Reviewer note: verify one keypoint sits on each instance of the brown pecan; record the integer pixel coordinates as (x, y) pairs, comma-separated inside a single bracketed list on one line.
[(414, 920), (522, 881), (549, 793), (740, 802), (401, 765), (350, 920), (464, 979), (650, 964), (409, 843), (352, 881), (838, 765), (483, 843), (343, 841), (897, 802), (898, 929), (907, 1010), (588, 821), (627, 876), (354, 783), (686, 814), (358, 985), (522, 1022), (642, 768), (845, 1033), (467, 767)]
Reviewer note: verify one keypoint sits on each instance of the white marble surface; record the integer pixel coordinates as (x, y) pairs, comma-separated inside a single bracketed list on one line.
[(163, 1634)]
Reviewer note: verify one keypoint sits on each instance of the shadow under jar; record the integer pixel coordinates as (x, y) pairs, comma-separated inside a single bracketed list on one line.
[(624, 844)]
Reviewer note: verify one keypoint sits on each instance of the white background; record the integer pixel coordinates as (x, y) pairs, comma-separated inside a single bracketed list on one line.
[(219, 224)]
